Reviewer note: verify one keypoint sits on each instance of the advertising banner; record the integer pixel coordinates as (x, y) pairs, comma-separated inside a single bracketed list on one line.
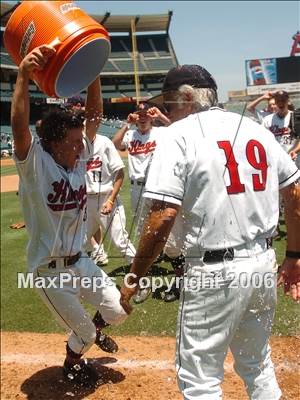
[(261, 72)]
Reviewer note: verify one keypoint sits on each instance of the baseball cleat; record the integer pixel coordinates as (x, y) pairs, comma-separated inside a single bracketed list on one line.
[(106, 343), (141, 295), (82, 373), (100, 258), (172, 295)]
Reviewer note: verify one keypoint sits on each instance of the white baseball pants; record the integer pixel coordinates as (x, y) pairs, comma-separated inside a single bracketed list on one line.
[(82, 281), (237, 315), (138, 203), (113, 224)]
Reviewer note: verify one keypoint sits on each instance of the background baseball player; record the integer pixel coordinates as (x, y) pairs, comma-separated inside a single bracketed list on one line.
[(224, 174), (279, 123), (140, 144), (105, 174), (53, 197)]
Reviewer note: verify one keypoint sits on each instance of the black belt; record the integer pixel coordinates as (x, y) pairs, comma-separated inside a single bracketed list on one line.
[(140, 183), (68, 261), (215, 256)]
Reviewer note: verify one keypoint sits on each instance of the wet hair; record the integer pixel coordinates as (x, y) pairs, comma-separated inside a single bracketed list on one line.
[(203, 98), (55, 126)]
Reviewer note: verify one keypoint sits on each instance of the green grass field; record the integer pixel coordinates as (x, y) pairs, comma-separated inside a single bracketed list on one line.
[(22, 309), (8, 170)]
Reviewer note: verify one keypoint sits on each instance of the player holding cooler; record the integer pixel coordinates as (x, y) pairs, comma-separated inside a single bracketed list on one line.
[(53, 196)]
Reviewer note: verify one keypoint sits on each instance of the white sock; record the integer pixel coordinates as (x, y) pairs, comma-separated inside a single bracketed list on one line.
[(95, 248)]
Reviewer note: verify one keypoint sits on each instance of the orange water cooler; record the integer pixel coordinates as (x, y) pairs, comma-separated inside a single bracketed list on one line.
[(82, 44)]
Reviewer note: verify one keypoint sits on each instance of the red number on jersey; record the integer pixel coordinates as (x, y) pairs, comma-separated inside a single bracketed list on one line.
[(257, 158), (235, 184), (254, 149)]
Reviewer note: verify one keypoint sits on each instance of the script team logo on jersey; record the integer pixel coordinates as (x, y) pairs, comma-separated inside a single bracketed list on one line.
[(64, 197), (280, 131), (137, 147), (93, 163)]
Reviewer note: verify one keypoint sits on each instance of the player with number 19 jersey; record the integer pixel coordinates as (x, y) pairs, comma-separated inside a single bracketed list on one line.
[(240, 196)]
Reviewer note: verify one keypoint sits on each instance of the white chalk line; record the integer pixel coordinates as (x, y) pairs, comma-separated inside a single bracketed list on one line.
[(52, 359)]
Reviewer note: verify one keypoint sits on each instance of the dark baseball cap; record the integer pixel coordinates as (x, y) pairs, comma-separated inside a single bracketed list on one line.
[(193, 75), (281, 94)]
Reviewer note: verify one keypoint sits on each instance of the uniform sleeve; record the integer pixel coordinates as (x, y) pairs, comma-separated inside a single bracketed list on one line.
[(286, 167), (260, 114), (266, 122), (114, 159), (168, 170), (126, 139), (30, 170)]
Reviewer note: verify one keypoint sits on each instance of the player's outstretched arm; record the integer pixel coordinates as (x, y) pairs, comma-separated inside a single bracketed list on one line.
[(290, 270), (118, 181), (253, 104), (119, 136), (156, 114), (93, 109), (156, 230), (20, 107), (117, 140), (293, 152)]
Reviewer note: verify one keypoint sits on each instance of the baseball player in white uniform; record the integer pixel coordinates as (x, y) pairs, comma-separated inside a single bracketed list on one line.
[(53, 197), (224, 174), (140, 144), (279, 123), (105, 174)]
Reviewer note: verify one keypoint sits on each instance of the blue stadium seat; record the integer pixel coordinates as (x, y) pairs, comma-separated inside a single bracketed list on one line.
[(160, 64)]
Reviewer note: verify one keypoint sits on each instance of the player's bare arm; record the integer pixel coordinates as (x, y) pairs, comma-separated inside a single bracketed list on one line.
[(118, 182), (157, 228), (293, 152), (93, 109), (253, 104), (119, 136), (156, 114), (20, 108), (290, 270)]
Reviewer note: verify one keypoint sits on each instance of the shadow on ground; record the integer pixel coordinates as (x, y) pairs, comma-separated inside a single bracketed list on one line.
[(49, 383)]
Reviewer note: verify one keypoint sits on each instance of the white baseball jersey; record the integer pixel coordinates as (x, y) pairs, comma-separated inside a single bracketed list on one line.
[(103, 162), (225, 177), (54, 206), (140, 148), (280, 129)]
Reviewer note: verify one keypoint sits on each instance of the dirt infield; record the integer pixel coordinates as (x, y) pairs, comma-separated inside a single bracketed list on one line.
[(9, 183), (6, 162), (142, 369)]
